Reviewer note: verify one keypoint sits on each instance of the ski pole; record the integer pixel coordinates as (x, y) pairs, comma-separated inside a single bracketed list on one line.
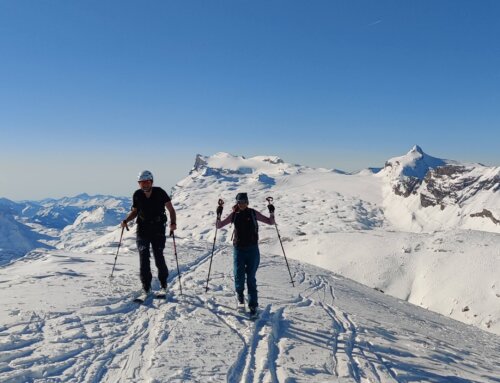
[(219, 213), (119, 244), (176, 260), (269, 200)]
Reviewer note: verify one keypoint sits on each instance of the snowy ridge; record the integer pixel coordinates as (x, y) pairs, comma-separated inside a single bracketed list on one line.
[(16, 239), (59, 213), (327, 328), (9, 207), (228, 163), (415, 163), (85, 200), (88, 225), (97, 217), (28, 225)]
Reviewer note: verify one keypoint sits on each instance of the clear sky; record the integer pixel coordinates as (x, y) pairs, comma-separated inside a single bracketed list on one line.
[(92, 92)]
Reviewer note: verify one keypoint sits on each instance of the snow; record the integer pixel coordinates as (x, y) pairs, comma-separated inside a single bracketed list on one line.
[(242, 165), (84, 327), (385, 290)]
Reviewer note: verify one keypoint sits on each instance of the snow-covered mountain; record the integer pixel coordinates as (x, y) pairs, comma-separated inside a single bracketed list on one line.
[(28, 225), (423, 230), (59, 213), (440, 194), (16, 239), (96, 218), (89, 225), (406, 171), (10, 207)]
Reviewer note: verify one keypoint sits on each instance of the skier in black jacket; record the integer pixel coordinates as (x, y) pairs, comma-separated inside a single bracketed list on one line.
[(148, 205)]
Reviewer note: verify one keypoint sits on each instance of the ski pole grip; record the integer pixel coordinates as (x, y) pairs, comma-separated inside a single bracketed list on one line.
[(220, 208), (269, 199)]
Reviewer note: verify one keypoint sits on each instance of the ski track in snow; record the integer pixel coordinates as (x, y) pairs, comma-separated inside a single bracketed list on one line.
[(302, 333)]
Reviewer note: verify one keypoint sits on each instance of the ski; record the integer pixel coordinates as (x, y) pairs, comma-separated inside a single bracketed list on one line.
[(240, 307), (139, 300), (142, 300), (253, 316), (161, 294), (142, 297)]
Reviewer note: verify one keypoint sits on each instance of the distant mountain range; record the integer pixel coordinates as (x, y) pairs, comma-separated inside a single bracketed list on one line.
[(27, 225), (421, 193)]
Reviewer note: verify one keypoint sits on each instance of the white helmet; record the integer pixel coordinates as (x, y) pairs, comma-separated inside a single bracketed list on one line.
[(145, 175)]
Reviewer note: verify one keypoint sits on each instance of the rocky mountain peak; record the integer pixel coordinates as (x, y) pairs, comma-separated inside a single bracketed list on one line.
[(407, 172), (416, 149)]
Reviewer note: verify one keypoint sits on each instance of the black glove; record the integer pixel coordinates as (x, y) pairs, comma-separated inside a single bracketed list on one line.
[(219, 211), (271, 208)]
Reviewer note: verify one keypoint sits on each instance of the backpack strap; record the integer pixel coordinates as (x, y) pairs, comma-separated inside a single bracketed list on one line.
[(254, 218), (233, 217)]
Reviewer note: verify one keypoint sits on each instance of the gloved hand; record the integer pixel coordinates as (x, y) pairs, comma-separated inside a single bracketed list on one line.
[(219, 211), (271, 208)]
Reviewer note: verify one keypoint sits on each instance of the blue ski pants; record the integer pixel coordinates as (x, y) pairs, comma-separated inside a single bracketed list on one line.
[(246, 262)]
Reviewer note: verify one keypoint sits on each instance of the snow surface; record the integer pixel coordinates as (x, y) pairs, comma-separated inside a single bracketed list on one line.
[(63, 319)]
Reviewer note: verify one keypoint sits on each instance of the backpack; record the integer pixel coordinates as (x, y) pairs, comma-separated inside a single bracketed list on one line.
[(245, 238)]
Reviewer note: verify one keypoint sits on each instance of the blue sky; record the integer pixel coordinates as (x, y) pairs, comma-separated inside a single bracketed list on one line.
[(92, 92)]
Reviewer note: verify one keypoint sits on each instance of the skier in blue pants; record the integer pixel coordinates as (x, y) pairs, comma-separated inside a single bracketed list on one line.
[(246, 249)]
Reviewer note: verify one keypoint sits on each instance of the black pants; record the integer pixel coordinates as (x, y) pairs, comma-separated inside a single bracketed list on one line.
[(156, 240)]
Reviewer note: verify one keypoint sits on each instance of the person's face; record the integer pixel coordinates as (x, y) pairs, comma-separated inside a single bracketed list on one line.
[(242, 204), (146, 185)]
